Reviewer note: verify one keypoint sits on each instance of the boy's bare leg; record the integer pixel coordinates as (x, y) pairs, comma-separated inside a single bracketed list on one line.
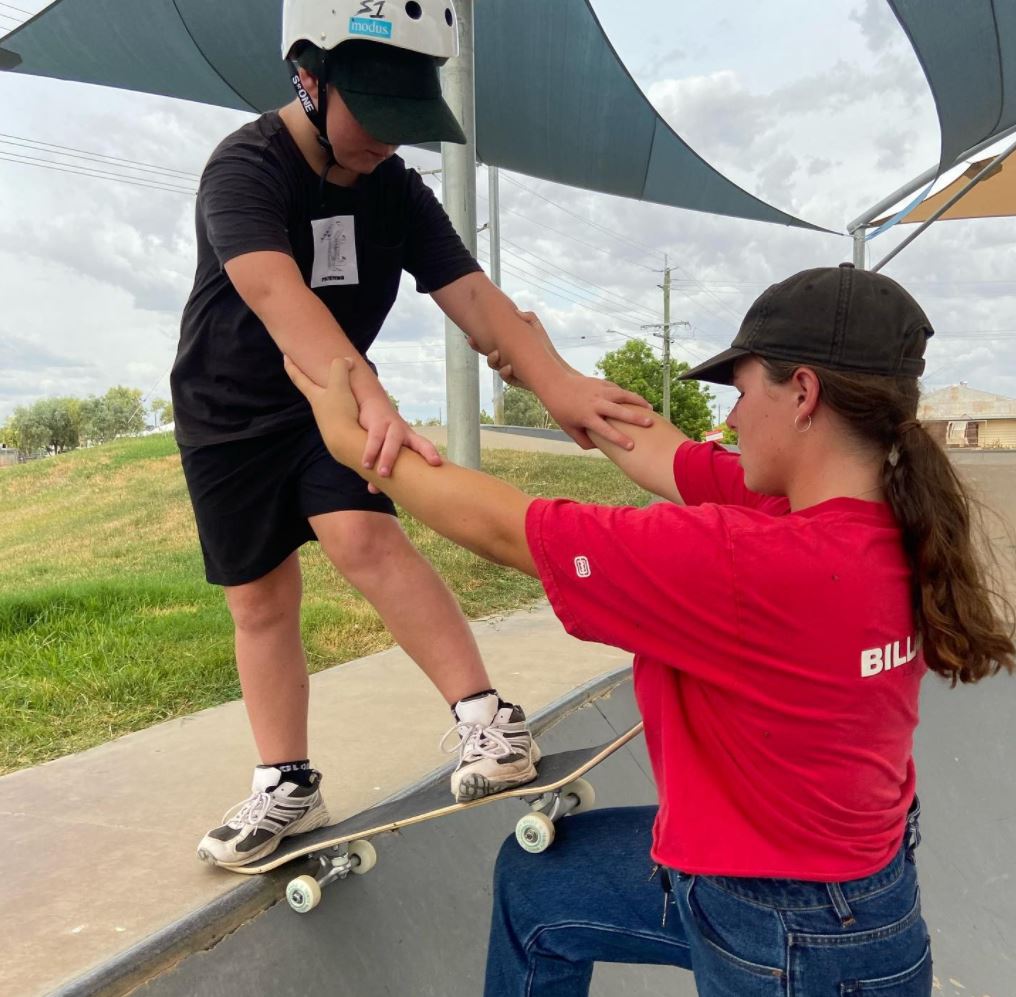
[(373, 553), (271, 661)]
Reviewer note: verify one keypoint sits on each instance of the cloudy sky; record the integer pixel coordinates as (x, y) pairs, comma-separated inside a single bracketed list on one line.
[(821, 111)]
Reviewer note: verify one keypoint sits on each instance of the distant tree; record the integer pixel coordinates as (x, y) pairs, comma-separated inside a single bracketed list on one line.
[(95, 426), (637, 368), (523, 408), (393, 400), (119, 412), (26, 430), (62, 417), (162, 410), (486, 420), (729, 436), (125, 410)]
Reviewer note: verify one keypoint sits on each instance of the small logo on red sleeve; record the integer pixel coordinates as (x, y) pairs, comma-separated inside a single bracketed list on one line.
[(582, 567)]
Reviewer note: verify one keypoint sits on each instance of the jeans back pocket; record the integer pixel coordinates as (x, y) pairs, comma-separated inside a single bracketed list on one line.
[(913, 982)]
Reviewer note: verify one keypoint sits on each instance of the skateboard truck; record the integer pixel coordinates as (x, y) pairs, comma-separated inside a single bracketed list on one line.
[(535, 831), (303, 894)]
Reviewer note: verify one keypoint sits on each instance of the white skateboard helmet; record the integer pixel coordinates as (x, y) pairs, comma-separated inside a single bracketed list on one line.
[(383, 58), (425, 26)]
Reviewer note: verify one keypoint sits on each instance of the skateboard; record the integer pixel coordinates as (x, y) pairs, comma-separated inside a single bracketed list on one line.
[(345, 848)]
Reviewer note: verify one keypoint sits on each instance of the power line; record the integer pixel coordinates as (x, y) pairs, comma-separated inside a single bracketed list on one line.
[(621, 300), (95, 174), (622, 308), (565, 235), (620, 238), (20, 10), (596, 225), (573, 238), (64, 150), (526, 277)]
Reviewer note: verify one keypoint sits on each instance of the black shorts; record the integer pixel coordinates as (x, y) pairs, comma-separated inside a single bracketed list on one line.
[(252, 499)]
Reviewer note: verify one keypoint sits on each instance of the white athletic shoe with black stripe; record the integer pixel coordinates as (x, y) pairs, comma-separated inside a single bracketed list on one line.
[(496, 749), (274, 810)]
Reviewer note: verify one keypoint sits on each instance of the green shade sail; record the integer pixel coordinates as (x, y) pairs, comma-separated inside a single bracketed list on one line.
[(553, 99)]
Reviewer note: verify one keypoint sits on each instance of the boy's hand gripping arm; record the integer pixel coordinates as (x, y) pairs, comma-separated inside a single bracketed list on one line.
[(473, 509), (271, 285), (578, 403), (650, 463)]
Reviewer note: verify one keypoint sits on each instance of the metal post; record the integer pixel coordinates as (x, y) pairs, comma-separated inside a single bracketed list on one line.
[(666, 339), (462, 371), (494, 200), (859, 248)]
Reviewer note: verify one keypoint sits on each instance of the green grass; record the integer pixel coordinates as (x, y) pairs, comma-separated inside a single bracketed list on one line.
[(107, 625)]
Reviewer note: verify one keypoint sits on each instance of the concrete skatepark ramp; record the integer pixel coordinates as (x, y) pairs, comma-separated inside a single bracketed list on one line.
[(417, 924)]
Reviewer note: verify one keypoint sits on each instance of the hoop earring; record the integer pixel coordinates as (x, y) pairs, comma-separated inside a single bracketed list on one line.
[(798, 428)]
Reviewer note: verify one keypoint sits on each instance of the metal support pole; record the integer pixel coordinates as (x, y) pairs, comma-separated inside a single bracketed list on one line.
[(494, 200), (859, 248), (989, 169), (462, 371), (666, 340)]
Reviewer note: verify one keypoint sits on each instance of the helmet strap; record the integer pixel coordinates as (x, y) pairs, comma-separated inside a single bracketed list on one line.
[(318, 115)]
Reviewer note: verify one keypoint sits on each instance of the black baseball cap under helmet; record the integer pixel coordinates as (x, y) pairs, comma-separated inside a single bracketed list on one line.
[(395, 94)]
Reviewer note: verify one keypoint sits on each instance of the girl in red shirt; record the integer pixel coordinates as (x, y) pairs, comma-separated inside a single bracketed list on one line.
[(782, 609)]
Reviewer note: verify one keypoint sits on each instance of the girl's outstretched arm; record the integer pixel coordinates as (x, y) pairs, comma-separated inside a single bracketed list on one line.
[(473, 509)]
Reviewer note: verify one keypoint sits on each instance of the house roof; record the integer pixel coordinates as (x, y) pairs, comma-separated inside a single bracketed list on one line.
[(959, 401)]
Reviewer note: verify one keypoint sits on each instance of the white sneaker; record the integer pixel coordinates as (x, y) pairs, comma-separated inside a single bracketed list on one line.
[(496, 749), (274, 810)]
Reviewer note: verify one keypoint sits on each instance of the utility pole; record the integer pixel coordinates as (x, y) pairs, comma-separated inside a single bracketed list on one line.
[(666, 337), (458, 162), (494, 200)]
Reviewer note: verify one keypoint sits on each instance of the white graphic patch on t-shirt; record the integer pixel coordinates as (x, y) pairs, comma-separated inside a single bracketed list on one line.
[(334, 252), (582, 568)]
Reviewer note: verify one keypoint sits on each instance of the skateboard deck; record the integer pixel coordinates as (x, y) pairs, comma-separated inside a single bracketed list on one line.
[(344, 847)]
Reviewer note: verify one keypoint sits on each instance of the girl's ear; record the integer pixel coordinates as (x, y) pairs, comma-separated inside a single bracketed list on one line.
[(808, 388)]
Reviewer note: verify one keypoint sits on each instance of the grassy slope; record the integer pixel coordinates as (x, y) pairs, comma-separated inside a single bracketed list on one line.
[(107, 624)]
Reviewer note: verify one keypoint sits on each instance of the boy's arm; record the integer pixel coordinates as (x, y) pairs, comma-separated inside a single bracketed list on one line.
[(271, 285), (473, 509), (578, 403)]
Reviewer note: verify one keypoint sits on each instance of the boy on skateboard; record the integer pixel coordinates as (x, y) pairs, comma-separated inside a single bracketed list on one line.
[(306, 219)]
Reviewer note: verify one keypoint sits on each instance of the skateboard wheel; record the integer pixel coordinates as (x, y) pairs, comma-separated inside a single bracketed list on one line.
[(583, 792), (535, 832), (366, 853), (303, 894)]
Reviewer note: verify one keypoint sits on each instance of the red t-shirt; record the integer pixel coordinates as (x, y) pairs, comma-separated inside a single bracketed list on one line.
[(776, 665)]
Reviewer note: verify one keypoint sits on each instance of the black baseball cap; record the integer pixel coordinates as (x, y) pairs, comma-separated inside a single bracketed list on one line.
[(394, 93), (840, 318)]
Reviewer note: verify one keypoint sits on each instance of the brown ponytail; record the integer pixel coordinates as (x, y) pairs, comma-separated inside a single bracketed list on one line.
[(965, 625)]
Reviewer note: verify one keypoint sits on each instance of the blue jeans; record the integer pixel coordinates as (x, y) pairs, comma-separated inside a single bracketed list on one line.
[(591, 897)]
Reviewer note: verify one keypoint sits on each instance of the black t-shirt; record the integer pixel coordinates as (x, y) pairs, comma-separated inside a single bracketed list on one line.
[(351, 245)]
